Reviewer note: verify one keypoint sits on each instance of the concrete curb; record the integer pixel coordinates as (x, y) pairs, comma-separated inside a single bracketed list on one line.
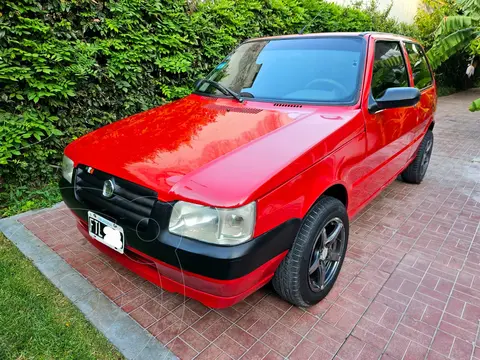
[(119, 328)]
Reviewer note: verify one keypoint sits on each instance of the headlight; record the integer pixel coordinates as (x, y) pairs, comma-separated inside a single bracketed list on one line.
[(213, 225), (67, 168)]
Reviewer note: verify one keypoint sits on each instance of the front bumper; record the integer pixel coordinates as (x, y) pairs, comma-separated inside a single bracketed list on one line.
[(218, 276)]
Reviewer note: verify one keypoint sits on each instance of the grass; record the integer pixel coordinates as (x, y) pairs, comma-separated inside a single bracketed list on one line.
[(18, 199), (37, 321)]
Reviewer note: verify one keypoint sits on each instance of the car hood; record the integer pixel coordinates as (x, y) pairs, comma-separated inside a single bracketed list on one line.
[(211, 151)]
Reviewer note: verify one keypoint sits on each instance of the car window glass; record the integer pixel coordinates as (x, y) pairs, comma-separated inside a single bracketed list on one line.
[(389, 70), (323, 70), (422, 77)]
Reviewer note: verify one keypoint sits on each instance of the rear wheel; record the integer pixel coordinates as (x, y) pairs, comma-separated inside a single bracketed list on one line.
[(310, 269), (415, 172)]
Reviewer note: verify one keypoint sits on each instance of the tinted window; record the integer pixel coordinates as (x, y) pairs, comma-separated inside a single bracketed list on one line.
[(422, 77), (322, 69), (389, 70)]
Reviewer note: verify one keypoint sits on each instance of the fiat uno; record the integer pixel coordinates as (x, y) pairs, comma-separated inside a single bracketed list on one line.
[(254, 176)]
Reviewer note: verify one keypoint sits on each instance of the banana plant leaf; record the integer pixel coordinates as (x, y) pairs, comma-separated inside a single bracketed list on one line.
[(451, 24), (450, 44), (470, 7), (475, 106)]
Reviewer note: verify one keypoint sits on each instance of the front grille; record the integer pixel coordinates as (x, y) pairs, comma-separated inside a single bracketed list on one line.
[(131, 203)]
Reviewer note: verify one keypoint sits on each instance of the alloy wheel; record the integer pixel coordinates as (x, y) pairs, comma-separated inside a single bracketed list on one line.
[(326, 255)]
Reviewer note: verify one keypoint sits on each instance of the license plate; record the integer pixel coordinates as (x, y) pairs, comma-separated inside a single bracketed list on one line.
[(106, 232)]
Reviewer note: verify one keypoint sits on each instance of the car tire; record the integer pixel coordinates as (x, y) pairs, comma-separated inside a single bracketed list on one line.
[(316, 250), (415, 172)]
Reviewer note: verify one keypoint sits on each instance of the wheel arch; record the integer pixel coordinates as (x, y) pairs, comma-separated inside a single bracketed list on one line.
[(337, 191)]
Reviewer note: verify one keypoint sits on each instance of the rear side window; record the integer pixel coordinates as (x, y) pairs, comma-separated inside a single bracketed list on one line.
[(422, 77), (389, 69)]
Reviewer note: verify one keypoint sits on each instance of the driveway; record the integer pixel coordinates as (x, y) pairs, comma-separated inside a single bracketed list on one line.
[(409, 288)]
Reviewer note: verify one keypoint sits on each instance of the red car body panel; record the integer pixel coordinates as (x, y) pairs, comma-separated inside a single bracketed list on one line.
[(219, 152), (181, 162)]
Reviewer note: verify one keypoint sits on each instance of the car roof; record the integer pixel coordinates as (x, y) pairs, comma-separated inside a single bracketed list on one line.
[(373, 34)]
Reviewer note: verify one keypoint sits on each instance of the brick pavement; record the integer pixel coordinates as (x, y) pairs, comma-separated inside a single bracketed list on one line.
[(409, 288)]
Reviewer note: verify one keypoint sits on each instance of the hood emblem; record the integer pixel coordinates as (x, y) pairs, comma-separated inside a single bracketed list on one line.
[(108, 188)]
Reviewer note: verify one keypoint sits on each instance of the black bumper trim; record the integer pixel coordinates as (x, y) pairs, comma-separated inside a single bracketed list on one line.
[(213, 261)]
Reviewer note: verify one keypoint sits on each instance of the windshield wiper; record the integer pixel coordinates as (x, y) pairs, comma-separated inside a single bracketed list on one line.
[(223, 89)]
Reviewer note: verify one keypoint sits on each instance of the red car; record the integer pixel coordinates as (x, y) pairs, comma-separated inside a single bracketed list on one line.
[(255, 175)]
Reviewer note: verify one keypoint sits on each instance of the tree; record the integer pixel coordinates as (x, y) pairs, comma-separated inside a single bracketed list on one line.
[(458, 33)]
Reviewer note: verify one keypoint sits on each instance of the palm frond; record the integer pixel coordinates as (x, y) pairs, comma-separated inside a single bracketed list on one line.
[(447, 46)]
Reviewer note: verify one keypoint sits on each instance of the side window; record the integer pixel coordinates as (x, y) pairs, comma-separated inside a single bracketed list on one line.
[(422, 77), (389, 69)]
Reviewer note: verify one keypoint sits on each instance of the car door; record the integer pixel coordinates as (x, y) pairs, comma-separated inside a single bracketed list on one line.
[(424, 81), (390, 131)]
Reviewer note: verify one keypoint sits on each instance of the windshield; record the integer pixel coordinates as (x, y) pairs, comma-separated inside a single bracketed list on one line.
[(319, 70)]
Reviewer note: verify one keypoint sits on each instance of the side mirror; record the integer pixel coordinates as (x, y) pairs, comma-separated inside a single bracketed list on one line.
[(197, 83), (395, 98)]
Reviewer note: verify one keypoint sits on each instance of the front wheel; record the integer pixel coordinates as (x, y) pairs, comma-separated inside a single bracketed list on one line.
[(415, 172), (310, 269)]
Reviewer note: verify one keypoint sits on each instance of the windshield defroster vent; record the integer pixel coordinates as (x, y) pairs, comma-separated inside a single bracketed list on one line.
[(244, 110), (288, 105)]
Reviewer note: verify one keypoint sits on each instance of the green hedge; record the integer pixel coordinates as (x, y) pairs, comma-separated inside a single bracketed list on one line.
[(68, 67)]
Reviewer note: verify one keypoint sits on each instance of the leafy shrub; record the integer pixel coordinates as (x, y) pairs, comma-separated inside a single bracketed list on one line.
[(68, 67), (429, 15), (382, 21)]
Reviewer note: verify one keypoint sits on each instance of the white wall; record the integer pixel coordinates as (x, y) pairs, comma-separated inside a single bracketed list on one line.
[(402, 10)]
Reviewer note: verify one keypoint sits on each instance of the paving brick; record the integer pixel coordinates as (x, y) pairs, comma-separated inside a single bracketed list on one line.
[(327, 337), (415, 351), (286, 334), (211, 352), (471, 313), (304, 324), (230, 313), (163, 324), (304, 350), (455, 307), (217, 328), (179, 347), (462, 350), (155, 309), (351, 348), (476, 352), (206, 321), (463, 324), (262, 325), (275, 342), (240, 336), (397, 346), (272, 355), (186, 315), (431, 316), (443, 342), (257, 352), (194, 339), (142, 317), (171, 332), (456, 331), (230, 346)]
